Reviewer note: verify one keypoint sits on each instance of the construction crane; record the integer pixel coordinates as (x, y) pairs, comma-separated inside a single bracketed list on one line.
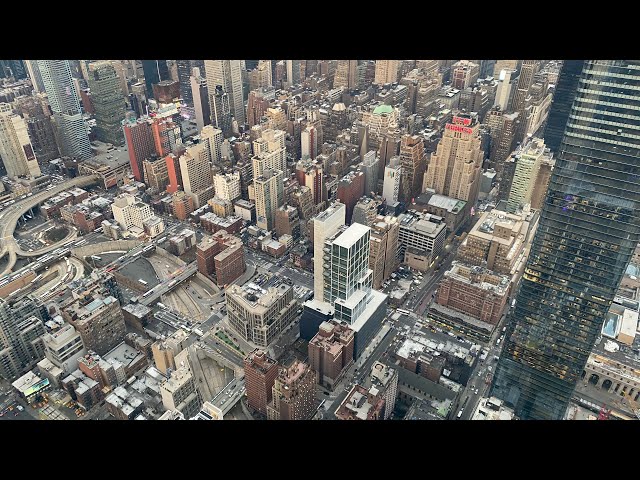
[(604, 412)]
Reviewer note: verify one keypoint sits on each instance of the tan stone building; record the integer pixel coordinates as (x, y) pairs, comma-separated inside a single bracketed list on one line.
[(456, 166), (496, 240)]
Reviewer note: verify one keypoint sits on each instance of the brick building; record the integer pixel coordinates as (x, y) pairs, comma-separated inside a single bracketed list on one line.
[(260, 372), (331, 352), (221, 257)]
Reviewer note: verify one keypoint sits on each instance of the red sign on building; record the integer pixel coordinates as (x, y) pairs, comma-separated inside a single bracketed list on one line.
[(462, 121), (458, 128)]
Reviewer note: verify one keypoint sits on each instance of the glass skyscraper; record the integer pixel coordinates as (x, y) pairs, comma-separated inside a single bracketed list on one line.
[(588, 230), (563, 97)]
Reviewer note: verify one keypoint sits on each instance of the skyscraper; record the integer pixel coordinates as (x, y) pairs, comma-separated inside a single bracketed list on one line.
[(414, 163), (15, 147), (269, 196), (220, 109), (185, 70), (346, 74), (565, 92), (386, 71), (454, 169), (35, 76), (154, 72), (73, 138), (228, 74), (108, 101), (21, 332), (588, 230), (325, 224), (293, 72), (200, 98)]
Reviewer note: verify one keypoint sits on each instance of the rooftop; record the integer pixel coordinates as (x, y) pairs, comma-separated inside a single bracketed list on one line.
[(452, 205), (351, 235)]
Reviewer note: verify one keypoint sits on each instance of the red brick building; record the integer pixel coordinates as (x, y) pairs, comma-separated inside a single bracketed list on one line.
[(213, 223), (221, 257), (260, 372), (350, 189), (474, 291), (294, 393), (331, 352), (182, 205)]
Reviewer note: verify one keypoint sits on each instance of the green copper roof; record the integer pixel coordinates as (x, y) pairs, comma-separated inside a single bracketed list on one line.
[(380, 109)]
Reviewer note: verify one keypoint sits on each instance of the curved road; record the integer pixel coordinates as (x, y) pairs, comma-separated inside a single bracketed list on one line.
[(10, 215)]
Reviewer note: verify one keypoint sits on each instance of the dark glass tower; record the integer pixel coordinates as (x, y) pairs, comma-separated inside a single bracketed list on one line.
[(563, 97), (185, 70), (154, 72), (588, 230)]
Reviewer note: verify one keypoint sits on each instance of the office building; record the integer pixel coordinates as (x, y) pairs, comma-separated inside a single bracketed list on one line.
[(195, 168), (475, 291), (455, 167), (525, 178), (331, 352), (420, 239), (108, 102), (384, 380), (34, 74), (361, 404), (140, 143), (413, 161), (99, 320), (15, 147), (179, 392), (200, 98), (294, 393), (381, 121), (350, 189), (386, 71), (21, 332), (287, 222), (269, 192), (346, 74), (346, 270), (156, 174), (565, 93), (130, 211), (325, 225), (391, 184), (579, 254), (182, 205), (212, 138), (464, 73), (269, 152), (220, 109), (63, 347), (366, 211), (383, 259), (309, 142), (497, 240), (370, 169), (154, 72), (260, 372), (36, 113), (541, 182), (221, 257), (185, 71), (260, 313), (227, 74), (227, 186), (73, 138), (506, 83)]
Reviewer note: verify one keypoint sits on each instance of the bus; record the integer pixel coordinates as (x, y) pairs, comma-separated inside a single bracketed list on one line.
[(143, 282), (147, 293), (404, 312)]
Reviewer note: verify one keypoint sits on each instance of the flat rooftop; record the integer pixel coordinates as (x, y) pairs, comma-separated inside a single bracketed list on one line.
[(351, 235)]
